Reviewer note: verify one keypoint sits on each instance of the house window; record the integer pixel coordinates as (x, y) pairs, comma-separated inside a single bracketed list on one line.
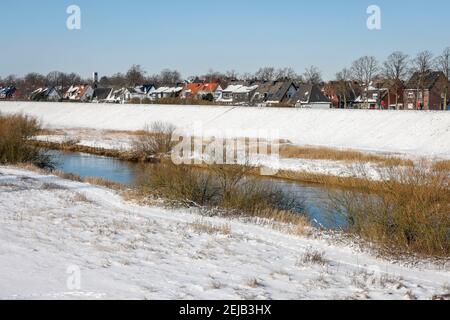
[(410, 95)]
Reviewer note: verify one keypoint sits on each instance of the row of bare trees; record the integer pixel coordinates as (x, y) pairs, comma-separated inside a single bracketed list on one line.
[(395, 70), (311, 75)]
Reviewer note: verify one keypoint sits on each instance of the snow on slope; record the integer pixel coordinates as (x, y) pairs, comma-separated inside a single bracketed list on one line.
[(410, 132), (48, 224)]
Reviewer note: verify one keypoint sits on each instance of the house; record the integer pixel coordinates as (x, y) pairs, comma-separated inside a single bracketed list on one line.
[(238, 94), (200, 90), (274, 92), (79, 93), (146, 89), (101, 94), (212, 90), (425, 92), (342, 94), (310, 96), (166, 92), (7, 93), (379, 95), (121, 95), (45, 94), (190, 90)]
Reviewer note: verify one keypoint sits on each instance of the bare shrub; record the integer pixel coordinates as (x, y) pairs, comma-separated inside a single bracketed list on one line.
[(15, 146), (409, 212), (154, 140), (179, 183)]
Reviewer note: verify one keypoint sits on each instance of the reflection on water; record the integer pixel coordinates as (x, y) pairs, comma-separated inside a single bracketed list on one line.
[(314, 198)]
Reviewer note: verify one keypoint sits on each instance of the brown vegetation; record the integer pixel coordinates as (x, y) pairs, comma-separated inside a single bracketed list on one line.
[(15, 147), (224, 187), (323, 153), (154, 141), (409, 212)]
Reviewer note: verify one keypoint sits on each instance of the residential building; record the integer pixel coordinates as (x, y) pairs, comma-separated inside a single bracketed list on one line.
[(310, 96), (101, 94), (79, 93), (274, 92), (45, 94), (425, 92), (7, 93)]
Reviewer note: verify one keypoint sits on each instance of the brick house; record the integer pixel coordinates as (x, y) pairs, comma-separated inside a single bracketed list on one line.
[(425, 93)]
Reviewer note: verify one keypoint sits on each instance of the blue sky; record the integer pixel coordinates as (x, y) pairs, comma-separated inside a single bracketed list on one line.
[(198, 35)]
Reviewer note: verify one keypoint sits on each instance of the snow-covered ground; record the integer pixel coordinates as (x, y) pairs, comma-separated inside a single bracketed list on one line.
[(413, 133), (50, 228)]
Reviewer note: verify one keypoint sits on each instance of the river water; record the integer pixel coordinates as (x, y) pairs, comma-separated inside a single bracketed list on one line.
[(315, 199)]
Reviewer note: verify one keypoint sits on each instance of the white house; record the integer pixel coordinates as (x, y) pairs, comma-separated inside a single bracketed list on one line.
[(166, 92), (237, 93)]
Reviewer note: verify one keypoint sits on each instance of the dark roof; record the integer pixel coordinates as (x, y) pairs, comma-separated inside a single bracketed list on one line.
[(310, 94), (272, 91), (429, 81), (101, 93)]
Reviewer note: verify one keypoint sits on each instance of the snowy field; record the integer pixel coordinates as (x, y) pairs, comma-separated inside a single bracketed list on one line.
[(49, 226), (412, 133)]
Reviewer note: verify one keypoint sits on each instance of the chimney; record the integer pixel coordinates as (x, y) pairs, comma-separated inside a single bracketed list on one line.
[(95, 77)]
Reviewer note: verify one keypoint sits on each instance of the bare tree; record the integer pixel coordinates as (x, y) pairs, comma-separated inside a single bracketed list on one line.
[(231, 74), (395, 69), (287, 74), (169, 77), (135, 75), (312, 75), (443, 65), (364, 70), (422, 65), (266, 74), (342, 88)]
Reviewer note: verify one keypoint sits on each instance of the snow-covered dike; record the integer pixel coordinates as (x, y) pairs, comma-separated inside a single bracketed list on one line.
[(410, 132), (49, 226)]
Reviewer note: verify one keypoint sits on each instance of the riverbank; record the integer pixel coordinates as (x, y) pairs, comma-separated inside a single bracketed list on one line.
[(125, 250), (412, 134)]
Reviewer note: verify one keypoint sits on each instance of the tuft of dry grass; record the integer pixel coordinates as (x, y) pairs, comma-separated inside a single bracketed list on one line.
[(254, 283), (79, 197), (323, 153), (313, 257), (202, 226), (442, 165)]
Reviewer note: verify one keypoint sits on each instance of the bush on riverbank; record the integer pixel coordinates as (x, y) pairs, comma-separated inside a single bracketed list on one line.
[(224, 187), (410, 212), (15, 147), (154, 141)]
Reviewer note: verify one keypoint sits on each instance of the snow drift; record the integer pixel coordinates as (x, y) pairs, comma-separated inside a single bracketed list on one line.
[(414, 133)]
